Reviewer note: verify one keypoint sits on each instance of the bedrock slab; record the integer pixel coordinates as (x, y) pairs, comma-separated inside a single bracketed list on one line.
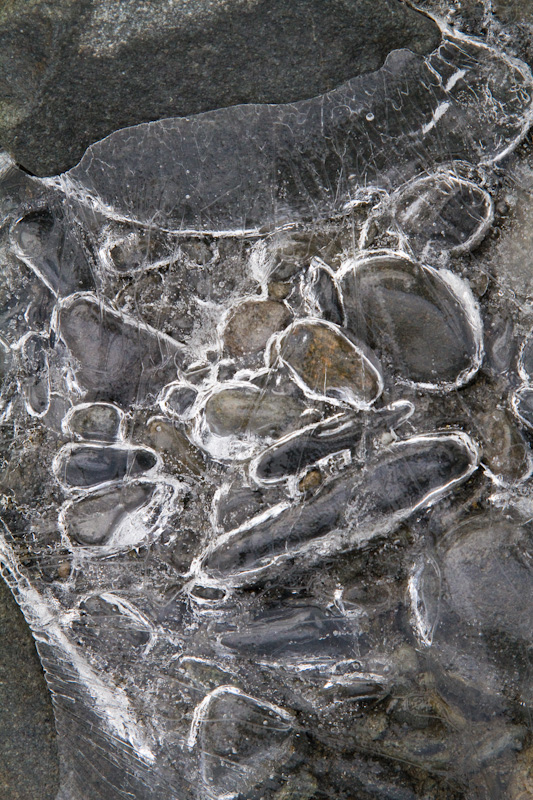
[(73, 72)]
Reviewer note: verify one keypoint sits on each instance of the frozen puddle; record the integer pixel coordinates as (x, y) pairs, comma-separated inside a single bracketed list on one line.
[(266, 444)]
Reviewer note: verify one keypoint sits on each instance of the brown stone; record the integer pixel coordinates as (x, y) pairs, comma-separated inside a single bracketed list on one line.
[(328, 364), (251, 324), (279, 290), (310, 481)]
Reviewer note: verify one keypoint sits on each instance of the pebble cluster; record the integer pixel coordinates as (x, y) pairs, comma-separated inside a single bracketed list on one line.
[(266, 494)]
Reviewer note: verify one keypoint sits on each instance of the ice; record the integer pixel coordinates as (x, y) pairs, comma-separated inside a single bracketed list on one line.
[(94, 421), (292, 634), (89, 465), (266, 415), (345, 431), (119, 360), (55, 248), (239, 738), (349, 511), (432, 213), (312, 159), (327, 365)]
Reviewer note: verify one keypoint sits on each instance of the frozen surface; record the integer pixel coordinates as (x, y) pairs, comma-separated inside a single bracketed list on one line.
[(266, 410)]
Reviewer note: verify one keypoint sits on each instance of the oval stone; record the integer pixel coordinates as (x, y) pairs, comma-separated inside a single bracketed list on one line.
[(240, 740), (117, 359), (89, 465), (246, 409), (487, 567), (251, 324), (345, 431), (423, 323), (55, 248), (94, 421), (93, 520), (452, 212), (347, 513), (327, 365)]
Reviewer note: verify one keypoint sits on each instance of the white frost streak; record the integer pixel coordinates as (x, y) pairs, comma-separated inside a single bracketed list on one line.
[(419, 623), (111, 703), (439, 112), (455, 78)]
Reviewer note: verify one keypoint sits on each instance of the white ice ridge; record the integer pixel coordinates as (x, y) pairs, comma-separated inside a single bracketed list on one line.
[(44, 618)]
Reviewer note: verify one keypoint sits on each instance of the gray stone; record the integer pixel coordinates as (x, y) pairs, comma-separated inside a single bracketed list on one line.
[(488, 574), (240, 739), (95, 422), (117, 359), (52, 246), (423, 324), (92, 520), (346, 431), (89, 465), (246, 410), (438, 212), (274, 594), (350, 511)]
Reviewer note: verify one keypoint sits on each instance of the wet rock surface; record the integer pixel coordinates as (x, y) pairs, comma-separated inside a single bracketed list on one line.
[(328, 365), (265, 425), (96, 336), (98, 421), (246, 410), (251, 325)]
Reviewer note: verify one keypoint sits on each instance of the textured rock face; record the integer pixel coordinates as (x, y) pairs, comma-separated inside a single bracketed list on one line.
[(266, 414), (73, 72), (29, 752)]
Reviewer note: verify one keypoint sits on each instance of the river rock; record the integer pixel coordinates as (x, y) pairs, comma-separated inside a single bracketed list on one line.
[(251, 324), (240, 738), (94, 520), (285, 633), (444, 211), (246, 410), (350, 511), (328, 365), (116, 359), (94, 422), (423, 323), (140, 63), (56, 248), (345, 431), (89, 465), (488, 573)]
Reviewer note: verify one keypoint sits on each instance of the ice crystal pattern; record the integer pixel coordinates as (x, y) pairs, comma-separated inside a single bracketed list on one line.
[(264, 464)]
